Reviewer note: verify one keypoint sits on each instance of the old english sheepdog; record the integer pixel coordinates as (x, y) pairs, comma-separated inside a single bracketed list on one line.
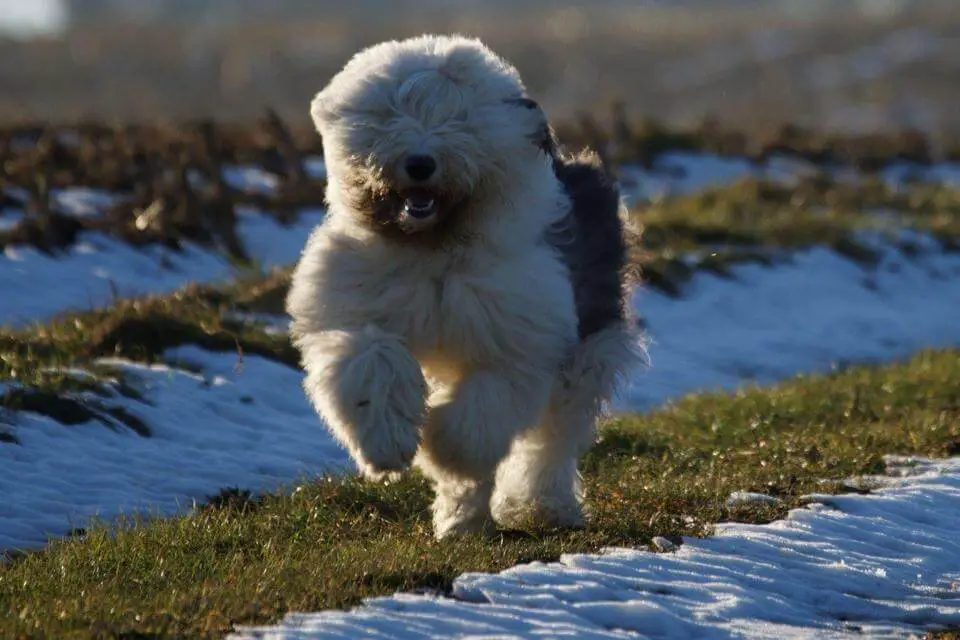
[(462, 307)]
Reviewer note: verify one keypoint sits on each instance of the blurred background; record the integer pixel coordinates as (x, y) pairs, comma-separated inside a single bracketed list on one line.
[(849, 66)]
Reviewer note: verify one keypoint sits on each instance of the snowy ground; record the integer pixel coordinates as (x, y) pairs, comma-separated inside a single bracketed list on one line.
[(215, 422), (35, 285), (682, 172), (768, 323), (880, 565), (218, 421)]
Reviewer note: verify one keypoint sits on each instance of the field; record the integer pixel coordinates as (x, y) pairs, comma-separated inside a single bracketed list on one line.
[(748, 63), (800, 290), (787, 466)]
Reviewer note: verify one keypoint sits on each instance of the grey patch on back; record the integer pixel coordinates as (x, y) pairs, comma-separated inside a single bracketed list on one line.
[(591, 239)]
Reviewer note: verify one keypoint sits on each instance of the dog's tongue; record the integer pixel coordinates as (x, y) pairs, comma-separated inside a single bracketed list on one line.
[(419, 203)]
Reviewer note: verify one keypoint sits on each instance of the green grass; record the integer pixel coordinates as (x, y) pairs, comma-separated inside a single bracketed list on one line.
[(330, 542)]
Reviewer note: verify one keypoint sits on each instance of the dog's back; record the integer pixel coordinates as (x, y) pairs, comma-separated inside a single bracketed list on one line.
[(592, 241)]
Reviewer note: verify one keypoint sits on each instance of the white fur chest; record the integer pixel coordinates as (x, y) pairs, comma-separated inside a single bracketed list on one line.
[(466, 308)]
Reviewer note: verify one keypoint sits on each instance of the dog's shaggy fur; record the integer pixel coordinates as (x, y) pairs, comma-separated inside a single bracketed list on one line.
[(462, 306)]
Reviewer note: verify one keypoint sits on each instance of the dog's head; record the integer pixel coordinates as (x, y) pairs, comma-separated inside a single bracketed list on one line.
[(419, 133)]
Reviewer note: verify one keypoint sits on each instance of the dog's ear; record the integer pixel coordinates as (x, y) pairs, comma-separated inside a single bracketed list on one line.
[(541, 133)]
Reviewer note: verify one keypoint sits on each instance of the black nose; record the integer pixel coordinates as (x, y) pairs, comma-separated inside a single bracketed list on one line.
[(420, 168)]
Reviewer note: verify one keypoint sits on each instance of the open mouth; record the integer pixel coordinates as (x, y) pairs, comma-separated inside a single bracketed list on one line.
[(419, 204), (420, 209)]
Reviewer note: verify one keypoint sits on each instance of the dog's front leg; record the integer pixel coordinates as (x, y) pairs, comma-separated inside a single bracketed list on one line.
[(469, 432), (371, 392)]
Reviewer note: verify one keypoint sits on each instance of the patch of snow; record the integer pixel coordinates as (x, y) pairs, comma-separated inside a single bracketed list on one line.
[(684, 172), (769, 323), (10, 218), (270, 243), (69, 138), (251, 179), (764, 325), (89, 274), (17, 193), (36, 285), (315, 167), (22, 142), (697, 171), (237, 422), (680, 173), (82, 202), (880, 565), (78, 202), (946, 173)]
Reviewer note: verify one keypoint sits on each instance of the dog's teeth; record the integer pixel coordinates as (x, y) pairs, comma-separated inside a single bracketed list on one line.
[(420, 207)]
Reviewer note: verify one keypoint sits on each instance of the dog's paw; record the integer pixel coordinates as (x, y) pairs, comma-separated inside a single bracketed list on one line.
[(388, 450), (462, 507), (542, 513), (386, 477), (451, 519), (477, 526)]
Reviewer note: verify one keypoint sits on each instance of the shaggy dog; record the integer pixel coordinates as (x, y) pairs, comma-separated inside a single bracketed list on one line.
[(462, 306)]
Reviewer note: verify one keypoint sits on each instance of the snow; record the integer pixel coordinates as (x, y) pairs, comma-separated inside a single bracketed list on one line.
[(682, 172), (271, 244), (252, 179), (216, 421), (677, 173), (766, 324), (315, 167), (10, 218), (946, 173), (880, 563), (97, 268), (83, 202), (79, 202), (87, 275), (886, 564)]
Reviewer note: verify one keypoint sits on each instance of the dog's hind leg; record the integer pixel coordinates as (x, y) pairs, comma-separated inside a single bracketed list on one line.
[(461, 505), (538, 483), (470, 429)]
